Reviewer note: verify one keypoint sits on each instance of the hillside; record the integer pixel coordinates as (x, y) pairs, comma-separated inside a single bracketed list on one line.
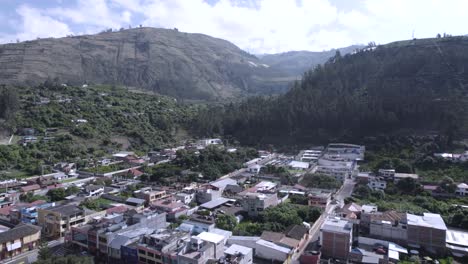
[(74, 123), (169, 62), (417, 86), (295, 63)]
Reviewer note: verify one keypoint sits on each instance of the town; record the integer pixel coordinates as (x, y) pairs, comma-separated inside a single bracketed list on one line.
[(276, 208)]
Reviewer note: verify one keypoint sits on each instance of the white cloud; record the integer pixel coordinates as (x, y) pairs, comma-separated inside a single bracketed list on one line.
[(33, 24), (258, 26)]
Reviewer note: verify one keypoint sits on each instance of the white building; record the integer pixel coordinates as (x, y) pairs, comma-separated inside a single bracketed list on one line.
[(462, 189), (239, 254), (210, 141), (185, 198), (298, 165)]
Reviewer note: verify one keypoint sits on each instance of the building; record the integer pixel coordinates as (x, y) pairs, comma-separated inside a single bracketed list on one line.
[(29, 214), (319, 198), (185, 197), (93, 191), (339, 172), (377, 183), (345, 151), (401, 176), (336, 238), (298, 165), (462, 189), (151, 196), (254, 203), (19, 239), (237, 254), (202, 248), (200, 223), (210, 141), (161, 247), (56, 220), (427, 232), (171, 207), (309, 155), (387, 174), (457, 242)]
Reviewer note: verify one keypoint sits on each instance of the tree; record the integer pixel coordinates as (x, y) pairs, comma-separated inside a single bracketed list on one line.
[(226, 222), (447, 185), (56, 194), (44, 252), (408, 186)]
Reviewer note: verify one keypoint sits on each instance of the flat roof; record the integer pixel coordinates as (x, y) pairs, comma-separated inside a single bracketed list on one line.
[(427, 220), (336, 225), (299, 164), (211, 237), (406, 175), (273, 246), (457, 237), (235, 249), (223, 183), (215, 203)]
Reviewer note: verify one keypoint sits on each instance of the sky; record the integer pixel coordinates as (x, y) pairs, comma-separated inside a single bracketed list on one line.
[(257, 26)]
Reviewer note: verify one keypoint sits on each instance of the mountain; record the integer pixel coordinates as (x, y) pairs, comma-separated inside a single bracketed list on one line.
[(295, 63), (408, 87), (165, 61)]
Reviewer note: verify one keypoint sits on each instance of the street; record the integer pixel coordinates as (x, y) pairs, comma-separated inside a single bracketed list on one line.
[(314, 232), (30, 256)]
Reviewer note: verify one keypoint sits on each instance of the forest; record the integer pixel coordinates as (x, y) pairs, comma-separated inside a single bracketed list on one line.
[(408, 88)]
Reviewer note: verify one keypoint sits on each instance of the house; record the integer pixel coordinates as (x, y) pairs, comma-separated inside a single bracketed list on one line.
[(280, 239), (319, 198), (138, 203), (20, 239), (30, 188), (345, 151), (254, 203), (255, 169), (336, 237), (387, 174), (210, 141), (200, 223), (376, 183), (309, 155), (93, 191), (171, 207), (299, 233), (462, 189), (400, 176), (185, 197), (298, 165)]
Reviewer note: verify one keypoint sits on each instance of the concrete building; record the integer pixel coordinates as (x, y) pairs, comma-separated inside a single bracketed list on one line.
[(377, 183), (254, 203), (336, 238), (151, 196), (428, 232), (161, 247), (462, 189), (319, 198), (19, 239), (56, 220), (237, 254), (93, 191), (185, 197), (202, 248), (200, 223)]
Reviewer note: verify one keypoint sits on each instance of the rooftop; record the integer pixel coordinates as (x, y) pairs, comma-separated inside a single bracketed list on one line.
[(236, 249), (18, 232), (457, 237), (68, 209), (336, 225), (427, 220), (215, 203), (273, 246), (211, 237)]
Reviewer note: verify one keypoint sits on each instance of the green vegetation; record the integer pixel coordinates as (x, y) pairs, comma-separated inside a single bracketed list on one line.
[(59, 194), (96, 204), (30, 197), (226, 222), (390, 90), (211, 162), (320, 181), (277, 219), (116, 119)]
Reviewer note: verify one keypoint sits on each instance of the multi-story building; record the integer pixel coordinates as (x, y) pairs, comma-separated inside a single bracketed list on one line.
[(29, 214), (57, 220), (161, 247), (20, 239), (319, 198), (200, 223), (427, 231), (254, 203), (336, 238), (151, 196), (185, 197), (202, 248), (345, 151), (339, 172)]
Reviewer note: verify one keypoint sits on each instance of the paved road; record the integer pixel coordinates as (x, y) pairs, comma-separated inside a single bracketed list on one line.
[(314, 232), (30, 256)]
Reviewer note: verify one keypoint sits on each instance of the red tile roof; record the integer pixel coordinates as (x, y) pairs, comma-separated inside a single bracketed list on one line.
[(6, 210), (117, 209), (136, 172), (31, 187)]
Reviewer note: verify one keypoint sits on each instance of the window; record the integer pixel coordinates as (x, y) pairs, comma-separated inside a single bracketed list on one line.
[(142, 259), (142, 252), (150, 254)]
